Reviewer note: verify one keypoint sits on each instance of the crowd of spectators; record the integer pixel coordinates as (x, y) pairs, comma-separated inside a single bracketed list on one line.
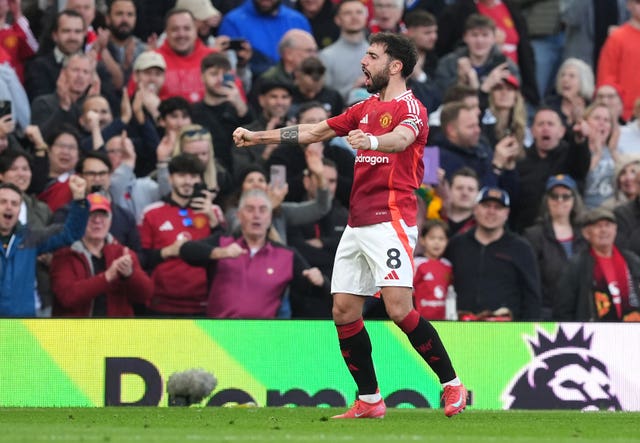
[(534, 115)]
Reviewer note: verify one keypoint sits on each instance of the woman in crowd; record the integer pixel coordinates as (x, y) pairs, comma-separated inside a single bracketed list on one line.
[(575, 85), (506, 113), (596, 125), (556, 236), (195, 139), (625, 184)]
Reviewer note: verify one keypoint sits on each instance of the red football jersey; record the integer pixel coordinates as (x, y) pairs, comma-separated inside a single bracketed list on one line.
[(431, 282), (384, 183), (178, 286)]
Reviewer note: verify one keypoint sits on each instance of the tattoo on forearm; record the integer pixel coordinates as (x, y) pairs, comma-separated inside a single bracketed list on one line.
[(289, 135)]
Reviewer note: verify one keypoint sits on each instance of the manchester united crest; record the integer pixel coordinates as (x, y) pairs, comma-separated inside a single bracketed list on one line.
[(385, 120)]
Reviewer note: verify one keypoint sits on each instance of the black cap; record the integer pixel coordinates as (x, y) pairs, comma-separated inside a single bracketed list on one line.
[(267, 85)]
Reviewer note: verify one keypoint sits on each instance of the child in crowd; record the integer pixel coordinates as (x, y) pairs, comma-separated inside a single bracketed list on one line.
[(433, 274)]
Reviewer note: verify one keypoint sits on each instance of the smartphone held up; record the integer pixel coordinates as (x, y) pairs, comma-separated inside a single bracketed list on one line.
[(278, 176)]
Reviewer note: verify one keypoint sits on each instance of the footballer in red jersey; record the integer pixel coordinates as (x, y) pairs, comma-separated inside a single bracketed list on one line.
[(389, 131)]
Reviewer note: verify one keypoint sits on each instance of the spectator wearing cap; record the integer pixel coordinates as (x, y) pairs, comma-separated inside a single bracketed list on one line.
[(149, 73), (550, 154), (556, 235), (96, 168), (512, 36), (223, 108), (263, 24), (494, 267), (625, 182), (96, 276), (183, 52), (275, 102), (351, 17), (309, 86), (206, 18), (121, 47), (602, 282), (479, 63), (505, 112)]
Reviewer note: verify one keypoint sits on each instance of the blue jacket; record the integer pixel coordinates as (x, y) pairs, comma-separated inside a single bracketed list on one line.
[(18, 260), (263, 31)]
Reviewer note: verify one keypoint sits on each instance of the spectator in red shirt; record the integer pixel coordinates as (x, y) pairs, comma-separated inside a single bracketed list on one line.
[(183, 52), (16, 37), (97, 276)]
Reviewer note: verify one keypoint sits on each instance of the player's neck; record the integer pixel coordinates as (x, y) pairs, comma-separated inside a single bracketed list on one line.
[(394, 89)]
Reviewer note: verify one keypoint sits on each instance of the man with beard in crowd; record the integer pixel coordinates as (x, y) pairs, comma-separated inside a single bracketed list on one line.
[(119, 47)]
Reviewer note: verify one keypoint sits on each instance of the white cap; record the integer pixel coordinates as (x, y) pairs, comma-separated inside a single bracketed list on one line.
[(149, 59), (201, 9)]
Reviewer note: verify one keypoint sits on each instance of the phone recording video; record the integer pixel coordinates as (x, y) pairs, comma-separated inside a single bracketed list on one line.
[(236, 44), (198, 191), (228, 79), (278, 175)]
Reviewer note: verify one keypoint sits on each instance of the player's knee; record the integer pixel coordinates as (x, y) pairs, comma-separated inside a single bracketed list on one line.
[(397, 313), (343, 312)]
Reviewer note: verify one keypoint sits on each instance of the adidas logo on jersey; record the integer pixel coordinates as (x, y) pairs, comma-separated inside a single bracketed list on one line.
[(166, 226), (365, 120), (392, 276), (429, 276)]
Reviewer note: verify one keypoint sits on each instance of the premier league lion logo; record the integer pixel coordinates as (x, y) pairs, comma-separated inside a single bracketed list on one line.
[(563, 374)]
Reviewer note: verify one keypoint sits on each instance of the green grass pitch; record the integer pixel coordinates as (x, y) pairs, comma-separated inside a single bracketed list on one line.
[(310, 425)]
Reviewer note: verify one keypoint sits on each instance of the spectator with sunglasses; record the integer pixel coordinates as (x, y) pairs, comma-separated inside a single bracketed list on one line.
[(180, 290), (556, 236)]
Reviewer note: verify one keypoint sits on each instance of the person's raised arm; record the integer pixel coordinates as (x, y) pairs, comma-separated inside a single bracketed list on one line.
[(291, 135)]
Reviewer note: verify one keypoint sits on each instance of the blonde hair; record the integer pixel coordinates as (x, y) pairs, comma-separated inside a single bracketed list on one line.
[(518, 123), (592, 107), (190, 133)]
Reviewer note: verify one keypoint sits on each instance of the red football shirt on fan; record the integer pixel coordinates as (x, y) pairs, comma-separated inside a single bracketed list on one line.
[(431, 281), (178, 286), (384, 183), (19, 43), (503, 20)]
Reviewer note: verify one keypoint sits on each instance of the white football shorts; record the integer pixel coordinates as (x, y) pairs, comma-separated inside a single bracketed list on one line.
[(372, 257)]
